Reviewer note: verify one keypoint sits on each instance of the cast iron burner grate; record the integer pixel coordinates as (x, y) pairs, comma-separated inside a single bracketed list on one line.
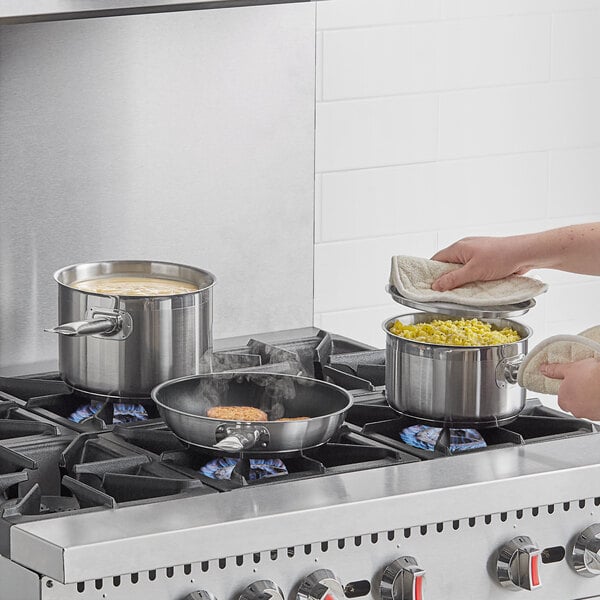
[(47, 395), (347, 452), (536, 423)]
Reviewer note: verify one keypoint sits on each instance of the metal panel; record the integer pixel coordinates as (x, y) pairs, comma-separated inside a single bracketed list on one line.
[(17, 583), (27, 11), (458, 562), (186, 137), (81, 547)]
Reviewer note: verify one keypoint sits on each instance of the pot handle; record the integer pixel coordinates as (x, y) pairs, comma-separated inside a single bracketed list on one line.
[(103, 325), (240, 437), (508, 369)]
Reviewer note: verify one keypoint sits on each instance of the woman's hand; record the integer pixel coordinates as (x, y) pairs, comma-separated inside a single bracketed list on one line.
[(579, 392), (483, 259)]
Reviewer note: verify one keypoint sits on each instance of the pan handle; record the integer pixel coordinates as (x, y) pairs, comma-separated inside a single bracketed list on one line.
[(240, 437)]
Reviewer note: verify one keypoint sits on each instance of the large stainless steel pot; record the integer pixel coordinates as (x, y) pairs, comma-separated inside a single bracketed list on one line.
[(461, 386), (183, 404), (123, 346)]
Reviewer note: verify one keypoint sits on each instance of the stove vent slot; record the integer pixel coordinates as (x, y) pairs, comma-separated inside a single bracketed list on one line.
[(535, 511), (374, 538), (341, 544), (423, 529), (357, 540), (582, 504), (391, 535), (81, 587), (222, 563), (187, 569), (204, 566), (550, 509), (407, 533), (455, 525), (169, 572), (519, 514), (597, 501), (439, 527), (135, 577), (117, 580), (566, 506), (324, 546)]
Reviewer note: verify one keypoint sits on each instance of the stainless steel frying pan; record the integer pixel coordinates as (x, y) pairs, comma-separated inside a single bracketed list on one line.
[(183, 404)]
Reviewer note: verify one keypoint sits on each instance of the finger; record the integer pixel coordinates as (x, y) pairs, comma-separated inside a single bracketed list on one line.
[(555, 370), (452, 280), (447, 255)]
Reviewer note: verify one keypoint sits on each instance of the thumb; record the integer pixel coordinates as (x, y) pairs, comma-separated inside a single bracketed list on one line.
[(452, 280), (555, 370)]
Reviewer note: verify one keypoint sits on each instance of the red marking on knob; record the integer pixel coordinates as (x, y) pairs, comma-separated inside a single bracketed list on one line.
[(329, 597), (535, 576), (419, 587)]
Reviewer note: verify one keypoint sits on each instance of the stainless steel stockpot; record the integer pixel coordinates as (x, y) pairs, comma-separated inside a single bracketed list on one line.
[(123, 346), (461, 386)]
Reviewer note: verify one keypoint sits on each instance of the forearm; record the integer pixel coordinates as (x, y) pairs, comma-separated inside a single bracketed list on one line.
[(574, 248)]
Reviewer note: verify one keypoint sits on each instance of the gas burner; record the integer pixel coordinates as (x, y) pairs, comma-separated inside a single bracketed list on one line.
[(122, 412), (257, 468), (431, 438)]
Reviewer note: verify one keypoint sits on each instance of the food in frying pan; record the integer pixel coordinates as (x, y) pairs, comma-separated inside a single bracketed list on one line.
[(294, 419), (462, 332), (237, 413)]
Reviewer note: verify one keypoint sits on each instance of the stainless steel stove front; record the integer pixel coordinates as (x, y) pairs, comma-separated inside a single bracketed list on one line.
[(452, 515)]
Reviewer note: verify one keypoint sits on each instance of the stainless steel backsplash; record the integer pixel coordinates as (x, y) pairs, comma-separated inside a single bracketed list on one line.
[(184, 137)]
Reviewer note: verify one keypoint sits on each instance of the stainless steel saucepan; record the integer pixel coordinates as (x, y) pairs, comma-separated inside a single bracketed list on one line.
[(456, 386), (183, 404)]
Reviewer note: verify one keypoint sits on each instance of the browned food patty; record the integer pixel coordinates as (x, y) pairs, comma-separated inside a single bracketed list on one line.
[(294, 419), (237, 413)]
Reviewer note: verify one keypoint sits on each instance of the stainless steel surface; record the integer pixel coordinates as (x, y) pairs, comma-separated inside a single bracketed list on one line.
[(459, 310), (178, 136), (26, 11), (133, 539), (585, 557), (321, 584), (517, 566), (460, 385), (183, 404), (402, 580), (167, 336)]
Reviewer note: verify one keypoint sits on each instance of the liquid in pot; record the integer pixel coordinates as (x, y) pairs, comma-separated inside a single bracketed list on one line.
[(131, 285)]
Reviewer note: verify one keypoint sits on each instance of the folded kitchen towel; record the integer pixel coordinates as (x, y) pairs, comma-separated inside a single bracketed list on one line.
[(555, 349), (412, 276)]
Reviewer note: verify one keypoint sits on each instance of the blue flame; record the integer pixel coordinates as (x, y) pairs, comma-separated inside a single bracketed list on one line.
[(425, 437), (222, 468), (123, 413)]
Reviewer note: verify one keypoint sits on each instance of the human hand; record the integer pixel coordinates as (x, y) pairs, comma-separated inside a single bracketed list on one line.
[(483, 259), (579, 392)]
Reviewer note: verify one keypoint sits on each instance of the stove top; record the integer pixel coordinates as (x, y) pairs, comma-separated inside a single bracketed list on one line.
[(117, 474)]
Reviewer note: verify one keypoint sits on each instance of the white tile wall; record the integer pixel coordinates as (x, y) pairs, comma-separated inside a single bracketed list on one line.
[(438, 119)]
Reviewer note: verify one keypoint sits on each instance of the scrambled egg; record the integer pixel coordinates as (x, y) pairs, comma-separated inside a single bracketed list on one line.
[(462, 332)]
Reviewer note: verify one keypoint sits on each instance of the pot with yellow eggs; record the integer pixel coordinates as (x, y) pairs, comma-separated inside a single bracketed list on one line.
[(126, 326), (455, 372)]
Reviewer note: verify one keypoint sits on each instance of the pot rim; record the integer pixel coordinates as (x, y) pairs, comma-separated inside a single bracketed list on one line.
[(387, 322), (171, 382), (56, 275)]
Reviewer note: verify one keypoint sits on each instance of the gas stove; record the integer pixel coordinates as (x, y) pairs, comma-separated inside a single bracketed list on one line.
[(103, 501)]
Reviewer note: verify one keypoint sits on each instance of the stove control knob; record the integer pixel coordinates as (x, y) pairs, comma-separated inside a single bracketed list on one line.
[(402, 580), (321, 585), (586, 552), (200, 595), (518, 564), (262, 590)]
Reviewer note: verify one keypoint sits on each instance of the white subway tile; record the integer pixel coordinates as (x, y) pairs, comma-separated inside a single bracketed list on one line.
[(462, 193), (477, 8), (318, 208), (354, 274), (380, 61), (576, 45), (574, 182), (362, 13), (384, 61), (379, 202), (371, 133), (499, 189), (520, 119), (363, 324), (577, 303)]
